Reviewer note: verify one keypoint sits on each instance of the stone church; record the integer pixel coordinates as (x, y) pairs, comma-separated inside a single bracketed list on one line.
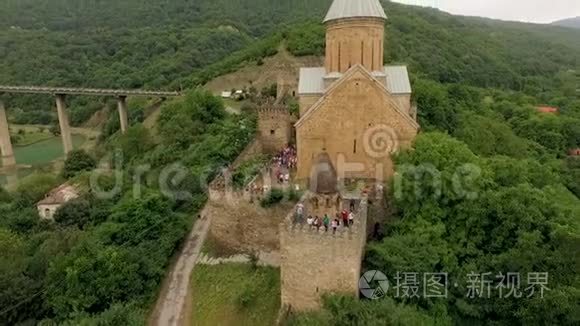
[(355, 110)]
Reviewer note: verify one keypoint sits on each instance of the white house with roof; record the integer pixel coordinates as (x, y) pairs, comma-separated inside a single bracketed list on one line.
[(55, 199)]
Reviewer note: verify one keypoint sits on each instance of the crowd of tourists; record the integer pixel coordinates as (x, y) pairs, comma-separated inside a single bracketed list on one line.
[(283, 162), (343, 219), (286, 157)]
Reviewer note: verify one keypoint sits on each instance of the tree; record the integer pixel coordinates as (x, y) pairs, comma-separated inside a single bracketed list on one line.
[(487, 137), (91, 278), (16, 284), (77, 161), (134, 143), (76, 212), (512, 223), (5, 196), (346, 310), (55, 130), (270, 91), (33, 188)]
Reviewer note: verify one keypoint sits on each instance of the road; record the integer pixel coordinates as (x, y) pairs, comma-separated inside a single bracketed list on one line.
[(175, 292)]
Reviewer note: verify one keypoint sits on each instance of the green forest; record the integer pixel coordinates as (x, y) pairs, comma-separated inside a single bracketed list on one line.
[(476, 83)]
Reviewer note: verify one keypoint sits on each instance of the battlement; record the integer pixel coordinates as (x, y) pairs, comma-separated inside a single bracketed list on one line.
[(273, 109), (315, 262), (222, 191), (300, 229), (222, 183)]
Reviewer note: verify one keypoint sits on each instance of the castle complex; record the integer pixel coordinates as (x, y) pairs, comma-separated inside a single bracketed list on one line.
[(354, 113)]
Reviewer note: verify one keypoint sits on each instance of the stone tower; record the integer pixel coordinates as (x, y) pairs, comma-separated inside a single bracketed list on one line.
[(354, 35), (274, 127)]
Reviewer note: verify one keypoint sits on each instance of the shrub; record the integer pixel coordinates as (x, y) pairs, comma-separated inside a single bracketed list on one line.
[(74, 213), (33, 188), (272, 198), (246, 298), (77, 161), (55, 130), (294, 195)]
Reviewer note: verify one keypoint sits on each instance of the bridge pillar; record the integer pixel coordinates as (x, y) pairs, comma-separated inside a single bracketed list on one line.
[(122, 106), (8, 159), (63, 122)]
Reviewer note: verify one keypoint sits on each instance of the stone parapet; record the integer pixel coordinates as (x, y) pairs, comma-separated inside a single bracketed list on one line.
[(317, 262)]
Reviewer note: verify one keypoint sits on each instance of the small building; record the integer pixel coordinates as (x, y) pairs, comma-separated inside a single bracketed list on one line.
[(547, 109), (574, 152), (226, 94), (55, 199)]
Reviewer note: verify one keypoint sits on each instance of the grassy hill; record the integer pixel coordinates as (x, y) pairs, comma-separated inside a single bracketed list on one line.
[(154, 44)]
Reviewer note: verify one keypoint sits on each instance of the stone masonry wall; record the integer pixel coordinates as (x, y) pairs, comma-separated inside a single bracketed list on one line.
[(239, 224), (354, 41), (316, 262), (355, 124), (307, 101), (274, 128)]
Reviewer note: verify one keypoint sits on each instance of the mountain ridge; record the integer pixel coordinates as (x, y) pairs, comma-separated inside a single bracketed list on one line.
[(573, 22)]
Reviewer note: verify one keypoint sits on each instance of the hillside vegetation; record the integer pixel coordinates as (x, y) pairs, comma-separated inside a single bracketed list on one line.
[(154, 44), (476, 83)]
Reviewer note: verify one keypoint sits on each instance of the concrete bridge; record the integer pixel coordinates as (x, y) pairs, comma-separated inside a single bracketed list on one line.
[(60, 94)]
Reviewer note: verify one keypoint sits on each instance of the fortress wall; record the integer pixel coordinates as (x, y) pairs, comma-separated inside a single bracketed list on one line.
[(318, 262), (240, 224), (254, 148)]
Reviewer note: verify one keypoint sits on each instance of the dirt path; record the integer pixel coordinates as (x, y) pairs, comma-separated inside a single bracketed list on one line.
[(172, 304), (264, 259)]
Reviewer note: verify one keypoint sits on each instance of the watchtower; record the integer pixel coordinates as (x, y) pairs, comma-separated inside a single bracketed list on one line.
[(274, 127)]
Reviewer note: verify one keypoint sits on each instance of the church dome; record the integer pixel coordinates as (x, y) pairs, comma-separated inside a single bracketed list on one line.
[(341, 9)]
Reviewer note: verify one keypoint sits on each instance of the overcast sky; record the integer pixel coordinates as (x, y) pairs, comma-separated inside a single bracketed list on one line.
[(537, 11)]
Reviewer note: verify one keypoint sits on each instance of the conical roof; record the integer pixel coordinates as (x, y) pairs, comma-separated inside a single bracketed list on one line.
[(355, 8)]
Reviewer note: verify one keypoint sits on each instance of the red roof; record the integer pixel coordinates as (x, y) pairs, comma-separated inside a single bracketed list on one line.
[(574, 152), (60, 195), (547, 109)]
